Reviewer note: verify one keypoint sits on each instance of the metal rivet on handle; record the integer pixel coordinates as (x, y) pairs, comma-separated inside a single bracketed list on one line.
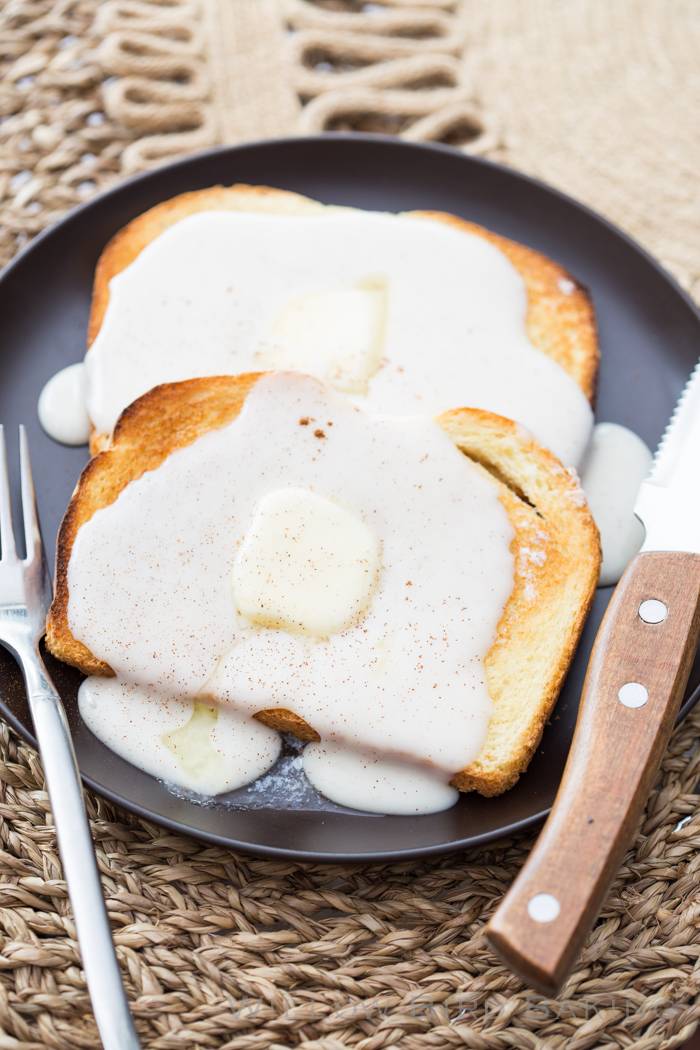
[(653, 611), (543, 907), (633, 694)]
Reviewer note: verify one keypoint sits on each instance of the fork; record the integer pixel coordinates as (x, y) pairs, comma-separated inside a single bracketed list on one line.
[(25, 595)]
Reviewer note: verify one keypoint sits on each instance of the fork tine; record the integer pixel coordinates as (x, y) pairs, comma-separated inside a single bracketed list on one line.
[(7, 536), (32, 532)]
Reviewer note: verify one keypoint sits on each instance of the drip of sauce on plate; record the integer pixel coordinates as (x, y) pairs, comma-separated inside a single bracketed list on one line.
[(151, 589), (376, 784), (615, 466), (175, 738), (62, 407)]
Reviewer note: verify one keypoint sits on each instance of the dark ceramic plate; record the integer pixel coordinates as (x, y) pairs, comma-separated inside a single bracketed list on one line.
[(650, 336)]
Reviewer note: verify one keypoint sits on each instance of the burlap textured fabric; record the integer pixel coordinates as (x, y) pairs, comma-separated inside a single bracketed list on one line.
[(223, 951)]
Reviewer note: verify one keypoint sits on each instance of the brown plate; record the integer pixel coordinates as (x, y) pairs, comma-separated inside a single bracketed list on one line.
[(650, 338)]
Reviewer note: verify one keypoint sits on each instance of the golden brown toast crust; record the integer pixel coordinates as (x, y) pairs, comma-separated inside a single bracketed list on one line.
[(556, 549), (561, 325), (557, 562)]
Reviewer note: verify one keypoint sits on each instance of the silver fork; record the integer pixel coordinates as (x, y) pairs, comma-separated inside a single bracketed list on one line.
[(25, 596)]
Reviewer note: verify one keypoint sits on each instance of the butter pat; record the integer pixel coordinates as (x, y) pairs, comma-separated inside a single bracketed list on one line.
[(191, 744), (335, 334), (306, 564)]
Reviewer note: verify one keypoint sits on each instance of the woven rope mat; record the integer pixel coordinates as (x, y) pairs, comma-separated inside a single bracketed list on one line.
[(220, 950)]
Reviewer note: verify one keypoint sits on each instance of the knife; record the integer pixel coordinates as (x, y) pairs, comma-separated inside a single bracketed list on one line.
[(636, 678)]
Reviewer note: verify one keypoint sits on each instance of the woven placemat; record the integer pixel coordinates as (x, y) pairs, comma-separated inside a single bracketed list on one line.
[(224, 951)]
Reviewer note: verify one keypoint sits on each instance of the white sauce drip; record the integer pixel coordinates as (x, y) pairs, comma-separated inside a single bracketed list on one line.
[(204, 298), (150, 584), (62, 408), (375, 784), (208, 753), (615, 466)]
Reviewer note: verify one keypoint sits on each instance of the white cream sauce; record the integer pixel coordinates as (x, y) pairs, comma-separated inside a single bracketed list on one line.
[(375, 784), (188, 744), (219, 293), (62, 408), (151, 593), (615, 465)]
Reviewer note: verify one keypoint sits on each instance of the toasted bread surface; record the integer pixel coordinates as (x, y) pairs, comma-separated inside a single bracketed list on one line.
[(560, 319), (556, 550)]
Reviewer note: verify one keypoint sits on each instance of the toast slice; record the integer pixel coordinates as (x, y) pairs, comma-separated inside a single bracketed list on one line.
[(560, 319), (556, 550)]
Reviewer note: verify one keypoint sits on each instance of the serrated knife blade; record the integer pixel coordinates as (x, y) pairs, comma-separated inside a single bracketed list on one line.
[(636, 677), (668, 503)]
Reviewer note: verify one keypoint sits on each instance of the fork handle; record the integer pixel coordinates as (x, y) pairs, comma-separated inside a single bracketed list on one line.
[(79, 863)]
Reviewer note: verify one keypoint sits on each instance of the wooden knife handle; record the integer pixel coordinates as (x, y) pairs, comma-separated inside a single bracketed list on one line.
[(541, 924)]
